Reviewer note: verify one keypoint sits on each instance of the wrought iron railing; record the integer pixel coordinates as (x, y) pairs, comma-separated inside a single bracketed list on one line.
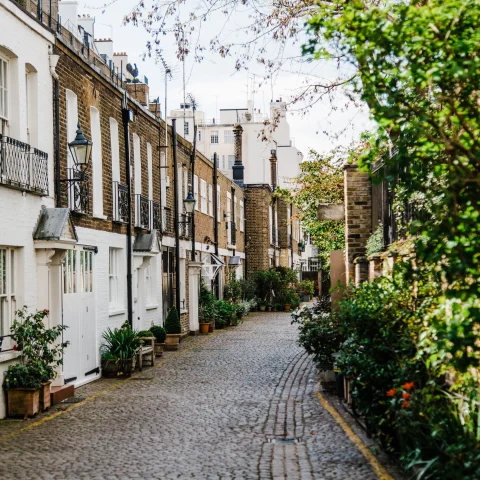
[(167, 221), (120, 202), (78, 191), (23, 167), (156, 216), (142, 211), (184, 226)]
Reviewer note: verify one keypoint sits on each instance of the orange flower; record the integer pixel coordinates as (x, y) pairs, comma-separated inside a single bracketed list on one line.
[(391, 392), (405, 404), (406, 396), (408, 385)]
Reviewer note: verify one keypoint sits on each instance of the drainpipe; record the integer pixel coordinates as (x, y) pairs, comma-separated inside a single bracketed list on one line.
[(215, 218), (58, 195), (126, 133), (177, 217), (273, 177)]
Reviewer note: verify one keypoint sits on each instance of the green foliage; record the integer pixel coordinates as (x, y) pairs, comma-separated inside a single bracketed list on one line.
[(225, 312), (207, 304), (375, 241), (120, 344), (159, 333), (22, 376), (306, 287), (145, 333), (172, 322), (319, 334), (40, 352), (233, 288)]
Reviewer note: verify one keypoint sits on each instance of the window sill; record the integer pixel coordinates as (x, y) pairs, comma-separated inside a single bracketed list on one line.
[(8, 356), (182, 312), (100, 217), (116, 311), (153, 306)]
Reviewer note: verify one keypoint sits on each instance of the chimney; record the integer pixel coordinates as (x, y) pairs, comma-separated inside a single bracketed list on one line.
[(238, 165), (273, 169), (139, 91)]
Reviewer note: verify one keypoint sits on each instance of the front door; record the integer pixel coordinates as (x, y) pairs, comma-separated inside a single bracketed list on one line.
[(80, 357), (167, 280)]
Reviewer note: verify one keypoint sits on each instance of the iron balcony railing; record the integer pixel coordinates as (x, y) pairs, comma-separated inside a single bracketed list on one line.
[(167, 221), (184, 226), (23, 167), (6, 343), (78, 192), (142, 211), (156, 216), (120, 202)]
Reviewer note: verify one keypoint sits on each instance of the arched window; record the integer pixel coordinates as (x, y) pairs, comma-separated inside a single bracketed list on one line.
[(96, 162)]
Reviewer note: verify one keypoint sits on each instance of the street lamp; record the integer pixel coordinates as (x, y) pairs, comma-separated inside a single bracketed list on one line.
[(189, 203), (80, 148)]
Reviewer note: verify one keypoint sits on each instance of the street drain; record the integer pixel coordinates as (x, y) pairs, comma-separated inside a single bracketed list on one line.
[(141, 378), (284, 441)]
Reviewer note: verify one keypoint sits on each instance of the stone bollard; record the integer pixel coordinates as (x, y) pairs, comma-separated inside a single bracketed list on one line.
[(361, 270)]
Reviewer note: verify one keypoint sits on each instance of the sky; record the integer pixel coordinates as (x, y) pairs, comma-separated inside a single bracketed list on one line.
[(215, 84)]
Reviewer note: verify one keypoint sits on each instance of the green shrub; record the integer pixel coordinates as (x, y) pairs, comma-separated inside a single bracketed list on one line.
[(145, 333), (307, 288), (159, 333), (206, 305), (375, 241), (232, 290), (172, 322), (120, 343), (22, 376), (225, 312)]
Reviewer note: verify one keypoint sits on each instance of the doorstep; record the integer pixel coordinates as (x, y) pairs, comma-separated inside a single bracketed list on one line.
[(59, 394)]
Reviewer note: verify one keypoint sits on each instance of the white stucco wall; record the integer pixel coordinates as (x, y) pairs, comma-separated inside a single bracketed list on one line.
[(24, 42)]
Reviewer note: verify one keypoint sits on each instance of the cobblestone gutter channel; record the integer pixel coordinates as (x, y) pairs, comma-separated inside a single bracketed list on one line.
[(239, 404)]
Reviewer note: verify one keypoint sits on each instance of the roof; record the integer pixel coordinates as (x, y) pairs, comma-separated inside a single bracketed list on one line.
[(55, 224), (146, 242)]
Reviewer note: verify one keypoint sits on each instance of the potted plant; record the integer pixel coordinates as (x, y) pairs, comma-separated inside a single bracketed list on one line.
[(173, 329), (206, 308), (160, 334), (225, 311), (306, 288), (291, 299), (119, 351), (40, 354)]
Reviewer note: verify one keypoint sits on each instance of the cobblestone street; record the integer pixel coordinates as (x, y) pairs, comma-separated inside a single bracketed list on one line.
[(238, 404)]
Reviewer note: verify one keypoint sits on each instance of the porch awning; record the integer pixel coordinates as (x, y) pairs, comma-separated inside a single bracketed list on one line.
[(234, 261), (212, 265), (55, 225), (146, 242)]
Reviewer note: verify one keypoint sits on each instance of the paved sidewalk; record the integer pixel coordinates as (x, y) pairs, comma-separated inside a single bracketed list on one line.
[(238, 404)]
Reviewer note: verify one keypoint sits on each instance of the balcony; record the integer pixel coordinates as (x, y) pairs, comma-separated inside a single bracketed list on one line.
[(23, 167), (142, 212), (167, 221), (78, 192), (156, 213), (120, 202)]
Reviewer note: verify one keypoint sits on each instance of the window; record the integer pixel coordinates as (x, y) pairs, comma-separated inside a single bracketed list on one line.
[(214, 136), (223, 162), (210, 200), (195, 186), (78, 272), (199, 135), (183, 282), (150, 171), (242, 215), (218, 203), (163, 179), (7, 289), (231, 161), (115, 295), (229, 219), (137, 164), (228, 136), (31, 97), (96, 162), (203, 196), (114, 148), (3, 88), (185, 129)]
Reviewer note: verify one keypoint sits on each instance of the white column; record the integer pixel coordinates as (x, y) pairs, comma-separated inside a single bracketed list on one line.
[(194, 269)]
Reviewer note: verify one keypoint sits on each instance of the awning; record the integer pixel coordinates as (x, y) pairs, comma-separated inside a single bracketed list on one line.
[(146, 242), (55, 225), (234, 262), (211, 265)]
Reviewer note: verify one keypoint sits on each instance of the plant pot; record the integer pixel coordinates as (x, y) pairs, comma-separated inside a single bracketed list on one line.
[(269, 309), (172, 341), (287, 308), (45, 398), (305, 298), (23, 402), (211, 327), (159, 349), (239, 315), (328, 380), (204, 328), (262, 308), (117, 368)]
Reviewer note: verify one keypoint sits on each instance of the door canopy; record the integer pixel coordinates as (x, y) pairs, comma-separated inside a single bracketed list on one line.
[(211, 265)]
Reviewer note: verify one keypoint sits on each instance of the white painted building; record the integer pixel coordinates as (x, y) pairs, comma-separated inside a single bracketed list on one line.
[(26, 166), (258, 141)]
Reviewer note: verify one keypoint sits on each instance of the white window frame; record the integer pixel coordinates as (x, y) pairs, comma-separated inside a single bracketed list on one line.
[(229, 218), (8, 280), (199, 135), (231, 161), (97, 162), (186, 128), (203, 196), (150, 282), (210, 200), (242, 215), (4, 87), (214, 136), (228, 136), (115, 297), (195, 183), (150, 171), (219, 198)]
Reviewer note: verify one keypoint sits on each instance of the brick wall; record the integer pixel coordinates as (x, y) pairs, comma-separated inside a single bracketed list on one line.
[(358, 216)]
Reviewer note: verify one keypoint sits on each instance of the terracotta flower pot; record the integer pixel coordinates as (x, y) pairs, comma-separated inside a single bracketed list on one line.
[(172, 341), (211, 327), (23, 402), (287, 308), (262, 308), (45, 398), (269, 309), (159, 349), (204, 328)]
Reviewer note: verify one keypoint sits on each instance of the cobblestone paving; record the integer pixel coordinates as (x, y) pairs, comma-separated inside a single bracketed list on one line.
[(239, 405)]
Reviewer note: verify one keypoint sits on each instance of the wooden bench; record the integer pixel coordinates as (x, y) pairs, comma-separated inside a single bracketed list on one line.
[(147, 348)]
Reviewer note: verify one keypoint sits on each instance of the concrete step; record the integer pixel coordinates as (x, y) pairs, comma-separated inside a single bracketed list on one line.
[(58, 394)]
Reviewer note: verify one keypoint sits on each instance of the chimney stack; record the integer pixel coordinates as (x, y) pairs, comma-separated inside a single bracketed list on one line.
[(238, 165)]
